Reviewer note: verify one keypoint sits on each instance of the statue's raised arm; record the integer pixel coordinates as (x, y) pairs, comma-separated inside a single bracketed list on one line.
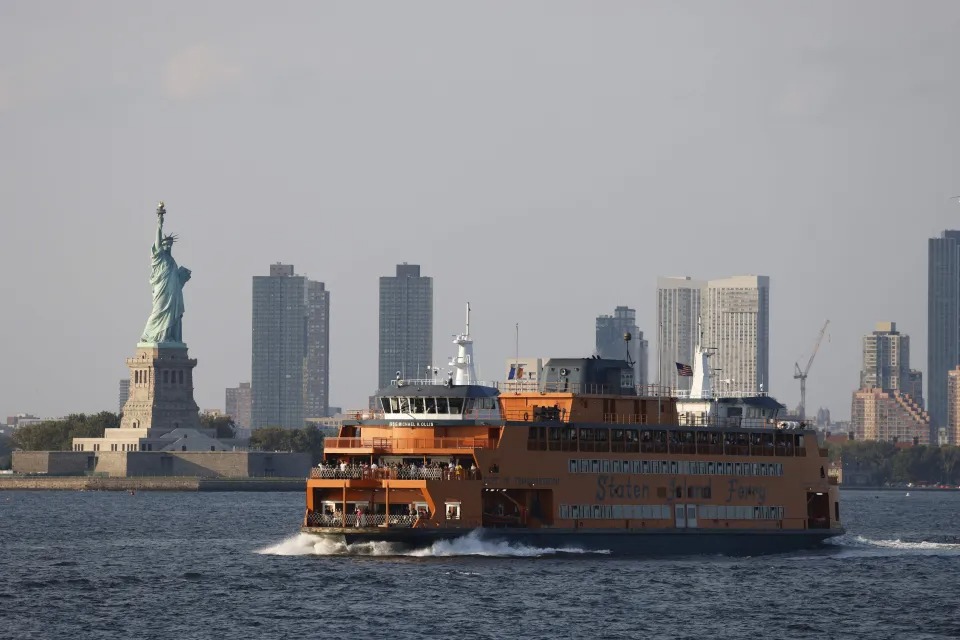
[(158, 243)]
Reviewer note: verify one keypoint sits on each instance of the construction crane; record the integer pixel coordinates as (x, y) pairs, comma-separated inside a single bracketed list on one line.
[(802, 375)]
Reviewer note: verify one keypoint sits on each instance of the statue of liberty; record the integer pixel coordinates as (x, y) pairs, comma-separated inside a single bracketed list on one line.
[(165, 322)]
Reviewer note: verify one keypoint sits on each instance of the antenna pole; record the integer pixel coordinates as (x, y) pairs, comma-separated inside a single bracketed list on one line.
[(516, 363)]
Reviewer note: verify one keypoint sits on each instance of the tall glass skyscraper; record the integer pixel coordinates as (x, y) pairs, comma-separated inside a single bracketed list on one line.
[(406, 324), (943, 323), (291, 349)]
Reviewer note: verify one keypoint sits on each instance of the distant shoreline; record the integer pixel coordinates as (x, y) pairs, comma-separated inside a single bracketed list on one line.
[(159, 483)]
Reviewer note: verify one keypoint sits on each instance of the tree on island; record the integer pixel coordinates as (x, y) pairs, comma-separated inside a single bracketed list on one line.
[(58, 435), (223, 425), (306, 440), (883, 462)]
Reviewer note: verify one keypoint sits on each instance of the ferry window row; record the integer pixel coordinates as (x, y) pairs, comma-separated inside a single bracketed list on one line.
[(616, 511), (694, 441), (731, 512), (663, 512), (448, 406), (676, 467)]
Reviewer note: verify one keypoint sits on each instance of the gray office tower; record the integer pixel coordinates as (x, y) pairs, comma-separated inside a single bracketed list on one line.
[(291, 349), (406, 324), (124, 392), (943, 323), (610, 342)]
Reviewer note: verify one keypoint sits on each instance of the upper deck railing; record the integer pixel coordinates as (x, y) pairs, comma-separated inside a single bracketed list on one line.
[(419, 382), (406, 472), (407, 444)]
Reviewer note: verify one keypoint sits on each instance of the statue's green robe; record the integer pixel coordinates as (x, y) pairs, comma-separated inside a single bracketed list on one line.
[(164, 323)]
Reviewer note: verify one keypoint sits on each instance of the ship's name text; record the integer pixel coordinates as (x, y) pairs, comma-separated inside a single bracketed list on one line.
[(612, 487), (745, 491)]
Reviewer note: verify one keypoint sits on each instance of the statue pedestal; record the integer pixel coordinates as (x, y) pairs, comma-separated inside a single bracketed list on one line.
[(161, 389)]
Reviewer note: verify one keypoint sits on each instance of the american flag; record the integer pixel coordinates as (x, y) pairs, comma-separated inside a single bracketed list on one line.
[(684, 369)]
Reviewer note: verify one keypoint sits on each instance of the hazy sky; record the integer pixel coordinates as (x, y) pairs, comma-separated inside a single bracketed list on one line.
[(543, 160)]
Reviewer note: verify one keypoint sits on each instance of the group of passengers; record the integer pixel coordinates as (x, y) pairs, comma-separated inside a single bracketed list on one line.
[(432, 470), (366, 515)]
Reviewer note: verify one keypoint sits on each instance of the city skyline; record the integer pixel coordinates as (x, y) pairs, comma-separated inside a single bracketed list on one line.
[(802, 151)]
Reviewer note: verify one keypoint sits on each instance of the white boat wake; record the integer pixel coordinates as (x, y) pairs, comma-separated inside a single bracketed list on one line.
[(305, 544), (861, 546)]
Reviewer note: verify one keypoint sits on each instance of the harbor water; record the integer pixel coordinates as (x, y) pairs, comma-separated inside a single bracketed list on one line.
[(232, 565)]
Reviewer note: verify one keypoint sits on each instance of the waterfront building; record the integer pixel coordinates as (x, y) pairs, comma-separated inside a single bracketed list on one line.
[(952, 427), (736, 324), (888, 416), (238, 403), (886, 362), (22, 420), (943, 321), (610, 342), (290, 356), (678, 311), (888, 406), (124, 393), (406, 325)]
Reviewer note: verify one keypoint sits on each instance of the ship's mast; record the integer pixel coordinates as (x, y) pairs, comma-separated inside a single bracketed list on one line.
[(464, 372), (701, 386)]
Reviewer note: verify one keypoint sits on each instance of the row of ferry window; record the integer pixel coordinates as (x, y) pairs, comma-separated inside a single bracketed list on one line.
[(681, 467), (664, 512), (662, 436), (448, 406)]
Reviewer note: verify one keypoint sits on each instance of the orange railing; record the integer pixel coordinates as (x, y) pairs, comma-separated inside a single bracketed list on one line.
[(399, 444), (390, 473)]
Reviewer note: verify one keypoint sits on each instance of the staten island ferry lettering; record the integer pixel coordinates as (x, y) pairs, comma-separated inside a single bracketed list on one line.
[(613, 487), (745, 492), (572, 453)]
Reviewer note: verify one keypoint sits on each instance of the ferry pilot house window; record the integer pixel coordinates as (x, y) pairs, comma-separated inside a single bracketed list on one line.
[(456, 406), (418, 405)]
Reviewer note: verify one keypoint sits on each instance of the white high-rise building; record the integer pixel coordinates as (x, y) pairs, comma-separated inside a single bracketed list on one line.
[(678, 306), (734, 316), (736, 324)]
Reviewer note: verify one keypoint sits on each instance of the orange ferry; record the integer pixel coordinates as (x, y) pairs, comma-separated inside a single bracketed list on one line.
[(580, 459)]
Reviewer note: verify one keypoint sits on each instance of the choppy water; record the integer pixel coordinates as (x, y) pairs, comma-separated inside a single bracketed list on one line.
[(231, 565)]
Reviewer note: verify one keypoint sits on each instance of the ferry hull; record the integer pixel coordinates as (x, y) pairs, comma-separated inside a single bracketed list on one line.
[(649, 543)]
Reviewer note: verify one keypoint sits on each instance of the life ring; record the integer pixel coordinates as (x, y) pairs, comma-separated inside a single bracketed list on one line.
[(526, 417)]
